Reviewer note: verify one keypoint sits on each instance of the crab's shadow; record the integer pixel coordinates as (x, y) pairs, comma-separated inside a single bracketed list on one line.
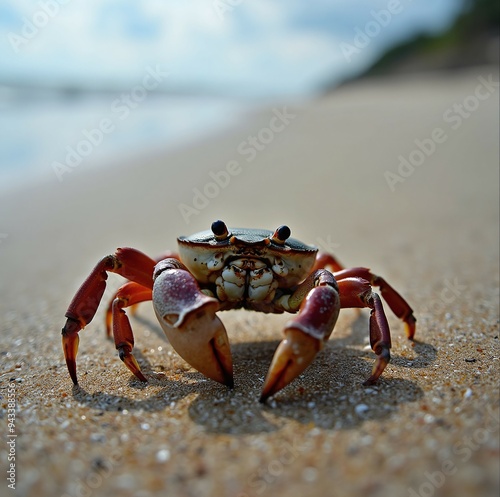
[(329, 394)]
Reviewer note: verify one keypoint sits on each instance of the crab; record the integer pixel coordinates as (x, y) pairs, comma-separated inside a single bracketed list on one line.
[(222, 269)]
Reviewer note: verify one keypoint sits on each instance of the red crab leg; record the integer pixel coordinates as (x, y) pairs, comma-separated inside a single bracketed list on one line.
[(357, 292), (305, 335), (396, 302), (109, 310), (188, 319), (129, 294), (324, 260), (127, 262)]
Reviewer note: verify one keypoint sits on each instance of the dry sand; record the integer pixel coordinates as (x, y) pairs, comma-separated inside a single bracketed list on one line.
[(430, 426)]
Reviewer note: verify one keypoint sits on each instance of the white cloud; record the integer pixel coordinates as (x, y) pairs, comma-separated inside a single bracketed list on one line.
[(259, 45)]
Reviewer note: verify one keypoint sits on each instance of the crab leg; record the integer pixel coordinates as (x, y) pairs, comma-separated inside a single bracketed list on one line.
[(128, 262), (319, 304), (357, 292), (188, 319), (396, 302), (324, 260), (129, 294), (109, 310)]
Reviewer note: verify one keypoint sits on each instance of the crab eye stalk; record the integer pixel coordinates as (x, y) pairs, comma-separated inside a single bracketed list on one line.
[(220, 231), (281, 235)]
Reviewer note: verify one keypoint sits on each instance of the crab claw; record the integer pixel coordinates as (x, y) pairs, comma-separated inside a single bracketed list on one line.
[(304, 337), (188, 319), (292, 356), (202, 342), (70, 341)]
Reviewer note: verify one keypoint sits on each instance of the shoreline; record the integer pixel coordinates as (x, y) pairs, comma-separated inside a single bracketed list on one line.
[(241, 113)]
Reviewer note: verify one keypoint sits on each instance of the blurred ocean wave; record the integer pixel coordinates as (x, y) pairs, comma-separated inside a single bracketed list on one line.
[(41, 127)]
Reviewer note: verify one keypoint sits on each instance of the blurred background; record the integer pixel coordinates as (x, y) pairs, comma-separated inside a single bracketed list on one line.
[(165, 74)]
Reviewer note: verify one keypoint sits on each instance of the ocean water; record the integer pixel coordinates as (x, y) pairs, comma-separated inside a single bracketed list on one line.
[(43, 133)]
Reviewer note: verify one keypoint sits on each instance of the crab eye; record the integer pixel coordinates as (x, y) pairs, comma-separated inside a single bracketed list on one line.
[(281, 235), (219, 229)]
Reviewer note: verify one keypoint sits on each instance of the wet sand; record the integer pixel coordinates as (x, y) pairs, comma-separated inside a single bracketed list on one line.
[(339, 172)]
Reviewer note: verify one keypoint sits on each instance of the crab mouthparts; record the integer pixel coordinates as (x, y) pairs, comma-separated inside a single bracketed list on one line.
[(247, 256)]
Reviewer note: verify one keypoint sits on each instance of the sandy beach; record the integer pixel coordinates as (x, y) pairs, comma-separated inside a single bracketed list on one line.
[(398, 175)]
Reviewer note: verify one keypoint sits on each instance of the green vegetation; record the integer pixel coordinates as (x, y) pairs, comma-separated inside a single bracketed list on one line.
[(467, 42)]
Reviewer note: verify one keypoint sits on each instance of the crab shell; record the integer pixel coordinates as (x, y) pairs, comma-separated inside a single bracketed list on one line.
[(205, 257)]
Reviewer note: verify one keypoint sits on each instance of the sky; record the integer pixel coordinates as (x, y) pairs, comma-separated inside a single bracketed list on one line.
[(237, 48)]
